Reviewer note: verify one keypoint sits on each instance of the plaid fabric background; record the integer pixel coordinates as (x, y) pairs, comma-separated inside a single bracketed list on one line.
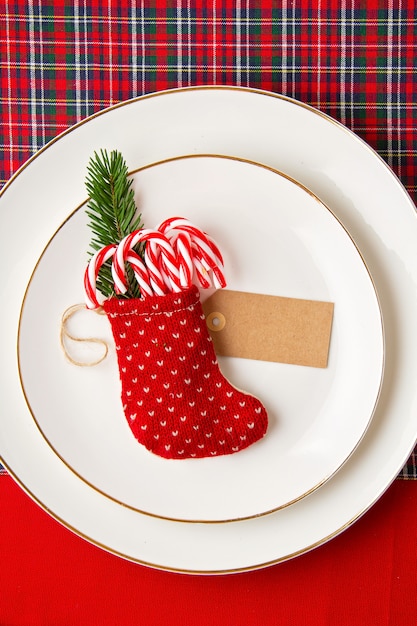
[(353, 59)]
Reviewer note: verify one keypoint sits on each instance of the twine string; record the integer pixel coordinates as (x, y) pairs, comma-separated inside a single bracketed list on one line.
[(65, 336)]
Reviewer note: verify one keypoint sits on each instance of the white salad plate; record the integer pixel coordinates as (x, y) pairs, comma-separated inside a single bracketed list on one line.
[(276, 237), (363, 194)]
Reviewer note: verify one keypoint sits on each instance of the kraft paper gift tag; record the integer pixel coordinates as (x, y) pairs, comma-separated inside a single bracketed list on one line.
[(270, 328)]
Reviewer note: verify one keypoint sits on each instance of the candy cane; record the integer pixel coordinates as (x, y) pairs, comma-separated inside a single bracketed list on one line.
[(201, 239), (185, 259), (123, 250), (161, 259), (91, 274), (118, 265), (182, 224), (202, 274), (211, 262), (177, 272), (141, 273), (158, 252), (204, 248), (174, 253)]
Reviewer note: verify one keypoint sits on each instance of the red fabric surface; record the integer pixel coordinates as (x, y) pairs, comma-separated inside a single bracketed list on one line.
[(367, 575)]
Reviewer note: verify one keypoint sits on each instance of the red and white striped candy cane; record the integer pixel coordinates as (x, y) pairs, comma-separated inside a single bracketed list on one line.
[(210, 261), (204, 249), (173, 253), (124, 249), (184, 252), (141, 273), (158, 251), (182, 277), (118, 267), (91, 273), (201, 272), (160, 256)]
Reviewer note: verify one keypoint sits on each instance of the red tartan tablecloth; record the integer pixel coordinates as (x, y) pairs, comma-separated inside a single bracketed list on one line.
[(354, 60)]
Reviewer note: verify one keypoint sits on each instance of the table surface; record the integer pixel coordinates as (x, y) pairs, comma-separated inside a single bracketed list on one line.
[(354, 60)]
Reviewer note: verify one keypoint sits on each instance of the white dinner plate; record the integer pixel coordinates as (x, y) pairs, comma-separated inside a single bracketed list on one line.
[(276, 237), (365, 196)]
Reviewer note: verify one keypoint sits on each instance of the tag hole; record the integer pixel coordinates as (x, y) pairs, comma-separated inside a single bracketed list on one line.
[(216, 321)]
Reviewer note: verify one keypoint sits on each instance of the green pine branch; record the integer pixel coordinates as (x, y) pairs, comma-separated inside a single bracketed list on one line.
[(112, 212)]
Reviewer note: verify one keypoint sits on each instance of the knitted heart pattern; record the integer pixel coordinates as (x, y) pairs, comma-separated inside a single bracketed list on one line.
[(176, 401)]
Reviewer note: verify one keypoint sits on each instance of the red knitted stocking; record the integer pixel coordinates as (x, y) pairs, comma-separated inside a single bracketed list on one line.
[(176, 401)]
